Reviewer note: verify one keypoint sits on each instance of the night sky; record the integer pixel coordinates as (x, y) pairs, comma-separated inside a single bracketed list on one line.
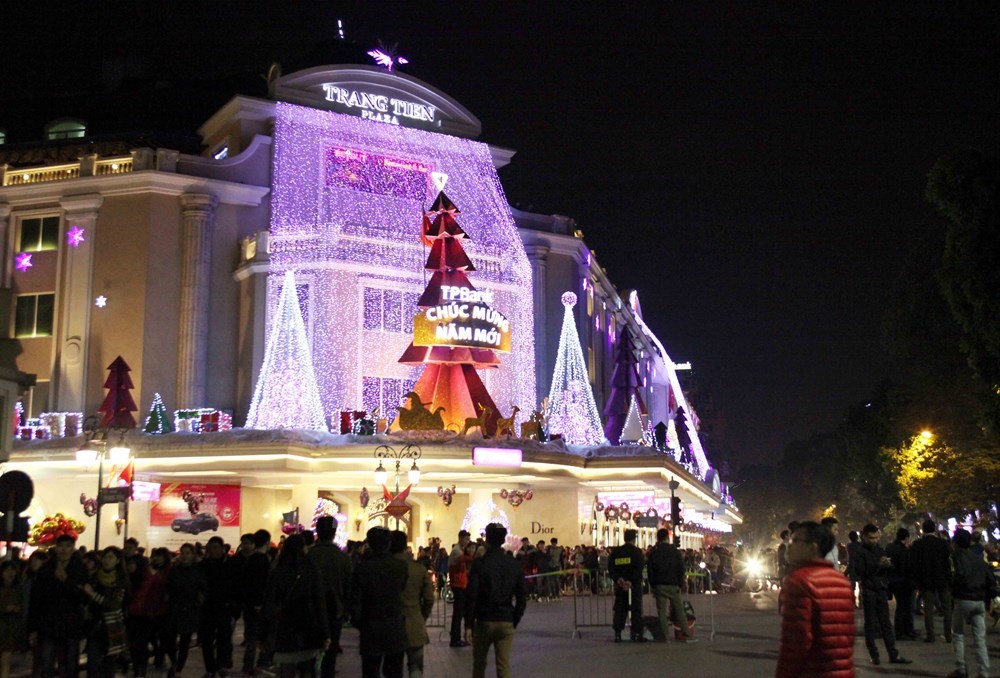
[(755, 171)]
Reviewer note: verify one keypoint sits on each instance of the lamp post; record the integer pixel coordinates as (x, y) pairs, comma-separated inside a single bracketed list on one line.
[(387, 452), (673, 485), (96, 449)]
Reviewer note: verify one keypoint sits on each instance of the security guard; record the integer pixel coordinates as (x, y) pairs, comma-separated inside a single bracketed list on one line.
[(625, 567)]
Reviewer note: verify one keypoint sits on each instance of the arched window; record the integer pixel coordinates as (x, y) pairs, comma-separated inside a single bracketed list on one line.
[(65, 128)]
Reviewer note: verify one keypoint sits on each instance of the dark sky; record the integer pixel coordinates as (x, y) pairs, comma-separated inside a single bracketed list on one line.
[(756, 171)]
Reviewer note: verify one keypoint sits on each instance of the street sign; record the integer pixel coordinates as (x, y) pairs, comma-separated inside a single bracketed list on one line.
[(16, 492), (113, 495), (647, 521)]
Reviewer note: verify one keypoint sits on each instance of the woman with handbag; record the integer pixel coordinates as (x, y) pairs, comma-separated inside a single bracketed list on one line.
[(295, 604)]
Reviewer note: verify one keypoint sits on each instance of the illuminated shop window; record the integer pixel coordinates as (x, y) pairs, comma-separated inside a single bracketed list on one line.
[(3, 137), (33, 315), (39, 234), (394, 177), (65, 129), (388, 310), (385, 394)]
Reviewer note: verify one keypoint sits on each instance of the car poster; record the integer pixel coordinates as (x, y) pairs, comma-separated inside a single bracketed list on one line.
[(193, 512)]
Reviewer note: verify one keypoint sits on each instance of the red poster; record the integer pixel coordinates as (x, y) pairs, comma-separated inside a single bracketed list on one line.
[(193, 508)]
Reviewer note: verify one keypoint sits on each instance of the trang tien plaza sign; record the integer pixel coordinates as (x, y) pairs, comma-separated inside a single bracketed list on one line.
[(378, 107)]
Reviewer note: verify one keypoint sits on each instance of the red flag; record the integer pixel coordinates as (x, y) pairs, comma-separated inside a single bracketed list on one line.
[(127, 473)]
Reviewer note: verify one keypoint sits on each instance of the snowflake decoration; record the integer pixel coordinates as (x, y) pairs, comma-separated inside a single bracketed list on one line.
[(387, 57), (74, 236), (23, 262), (101, 301)]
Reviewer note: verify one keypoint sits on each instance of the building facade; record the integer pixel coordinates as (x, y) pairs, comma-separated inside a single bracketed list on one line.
[(173, 260)]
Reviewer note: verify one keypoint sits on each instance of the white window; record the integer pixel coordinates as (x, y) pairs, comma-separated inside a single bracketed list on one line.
[(33, 314), (65, 128), (384, 393), (38, 234), (388, 310)]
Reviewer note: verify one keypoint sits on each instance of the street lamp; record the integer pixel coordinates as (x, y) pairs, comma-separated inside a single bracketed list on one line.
[(95, 449), (408, 452)]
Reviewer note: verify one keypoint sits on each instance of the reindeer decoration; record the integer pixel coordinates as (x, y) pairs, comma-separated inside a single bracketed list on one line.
[(506, 424), (478, 422)]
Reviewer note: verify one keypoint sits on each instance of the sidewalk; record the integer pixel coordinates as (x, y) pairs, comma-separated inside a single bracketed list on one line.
[(747, 631)]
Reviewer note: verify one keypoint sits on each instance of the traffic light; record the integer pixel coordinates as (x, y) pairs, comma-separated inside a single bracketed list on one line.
[(675, 511)]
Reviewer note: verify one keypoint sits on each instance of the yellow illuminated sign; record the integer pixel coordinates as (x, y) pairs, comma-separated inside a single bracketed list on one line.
[(468, 324)]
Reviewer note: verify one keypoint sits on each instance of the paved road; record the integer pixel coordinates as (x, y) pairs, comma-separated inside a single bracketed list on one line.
[(745, 645)]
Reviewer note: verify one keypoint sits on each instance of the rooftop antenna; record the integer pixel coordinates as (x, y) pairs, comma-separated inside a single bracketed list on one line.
[(340, 28)]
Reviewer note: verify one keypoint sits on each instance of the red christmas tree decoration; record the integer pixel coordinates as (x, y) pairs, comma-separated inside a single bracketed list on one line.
[(625, 383), (450, 379), (118, 405)]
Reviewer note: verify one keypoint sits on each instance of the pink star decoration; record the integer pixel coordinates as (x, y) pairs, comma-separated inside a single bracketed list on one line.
[(74, 236), (23, 261)]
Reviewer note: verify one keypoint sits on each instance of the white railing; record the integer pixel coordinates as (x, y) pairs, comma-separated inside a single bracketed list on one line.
[(37, 175)]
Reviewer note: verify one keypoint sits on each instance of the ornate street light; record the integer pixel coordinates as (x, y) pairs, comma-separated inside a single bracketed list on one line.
[(387, 452), (95, 449)]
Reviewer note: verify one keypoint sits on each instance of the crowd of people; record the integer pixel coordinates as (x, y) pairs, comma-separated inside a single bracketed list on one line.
[(126, 610), (824, 581)]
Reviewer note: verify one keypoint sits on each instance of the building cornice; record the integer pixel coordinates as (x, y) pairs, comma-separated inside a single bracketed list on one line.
[(147, 181)]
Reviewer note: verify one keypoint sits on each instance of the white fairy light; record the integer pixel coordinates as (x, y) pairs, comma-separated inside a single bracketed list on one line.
[(572, 411)]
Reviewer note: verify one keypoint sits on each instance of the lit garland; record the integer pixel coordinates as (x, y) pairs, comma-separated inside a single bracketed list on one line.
[(346, 202), (572, 411), (286, 395), (632, 432)]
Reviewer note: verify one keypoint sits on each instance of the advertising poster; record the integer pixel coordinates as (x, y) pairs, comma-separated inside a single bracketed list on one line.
[(193, 512)]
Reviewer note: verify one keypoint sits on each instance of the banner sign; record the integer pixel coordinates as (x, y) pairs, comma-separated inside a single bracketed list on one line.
[(193, 508), (464, 319)]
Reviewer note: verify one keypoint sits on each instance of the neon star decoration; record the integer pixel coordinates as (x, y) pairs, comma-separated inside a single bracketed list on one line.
[(23, 262), (386, 57), (75, 236), (101, 301)]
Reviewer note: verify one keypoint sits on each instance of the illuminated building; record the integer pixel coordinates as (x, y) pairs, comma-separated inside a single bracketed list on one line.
[(175, 261)]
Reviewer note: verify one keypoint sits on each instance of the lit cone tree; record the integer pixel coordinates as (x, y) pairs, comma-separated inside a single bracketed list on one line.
[(572, 412), (158, 421), (450, 379), (287, 395), (118, 406), (625, 384), (632, 432), (683, 437)]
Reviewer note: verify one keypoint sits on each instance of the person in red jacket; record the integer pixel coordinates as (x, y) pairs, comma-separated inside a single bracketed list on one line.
[(817, 610)]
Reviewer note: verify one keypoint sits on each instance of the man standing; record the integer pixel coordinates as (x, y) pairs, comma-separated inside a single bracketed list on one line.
[(871, 568), (377, 608), (626, 572), (499, 597), (833, 555), (55, 614), (458, 581), (974, 584), (215, 624), (666, 576), (418, 601), (334, 569), (900, 585), (817, 610), (931, 569), (556, 563), (254, 582), (853, 544)]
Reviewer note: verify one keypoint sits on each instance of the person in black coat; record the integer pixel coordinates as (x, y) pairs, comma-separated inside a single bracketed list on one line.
[(930, 567), (499, 597), (377, 608), (55, 611), (901, 585), (872, 567), (295, 605), (215, 625), (666, 577), (626, 563), (185, 592)]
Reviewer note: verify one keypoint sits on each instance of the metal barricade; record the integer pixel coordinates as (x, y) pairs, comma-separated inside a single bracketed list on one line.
[(441, 612), (593, 603)]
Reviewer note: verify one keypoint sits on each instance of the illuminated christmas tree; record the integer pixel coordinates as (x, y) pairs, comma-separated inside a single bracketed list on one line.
[(454, 334), (625, 385), (158, 421), (572, 412), (286, 395), (632, 431)]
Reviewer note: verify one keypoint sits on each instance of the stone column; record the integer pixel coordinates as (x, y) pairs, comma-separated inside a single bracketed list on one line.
[(538, 255), (4, 234), (196, 257), (74, 303)]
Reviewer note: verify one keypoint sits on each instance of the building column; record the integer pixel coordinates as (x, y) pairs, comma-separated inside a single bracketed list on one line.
[(304, 498), (196, 257), (4, 235), (74, 304), (538, 255)]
